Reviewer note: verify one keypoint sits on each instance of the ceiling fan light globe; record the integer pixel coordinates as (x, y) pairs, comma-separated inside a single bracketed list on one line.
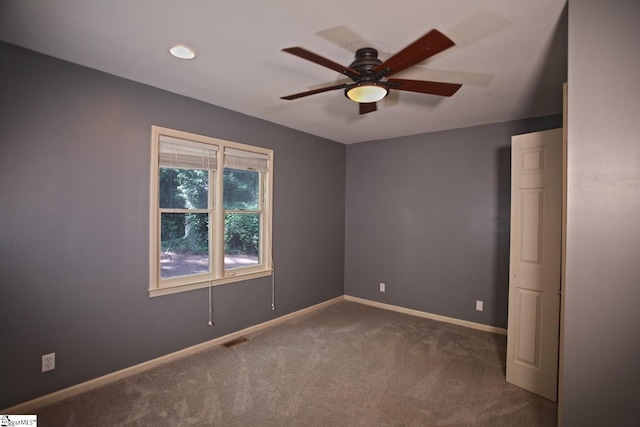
[(365, 93)]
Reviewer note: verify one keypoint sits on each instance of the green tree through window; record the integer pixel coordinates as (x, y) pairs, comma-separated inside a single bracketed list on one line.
[(185, 189), (241, 202)]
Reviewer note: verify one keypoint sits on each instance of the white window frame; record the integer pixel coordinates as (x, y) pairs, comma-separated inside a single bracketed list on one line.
[(217, 274)]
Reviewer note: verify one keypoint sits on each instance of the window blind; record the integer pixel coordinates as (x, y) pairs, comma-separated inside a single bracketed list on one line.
[(182, 153), (245, 160)]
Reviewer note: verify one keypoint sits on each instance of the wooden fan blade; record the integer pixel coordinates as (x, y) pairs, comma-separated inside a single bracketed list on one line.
[(313, 92), (423, 86), (368, 107), (426, 46), (317, 59)]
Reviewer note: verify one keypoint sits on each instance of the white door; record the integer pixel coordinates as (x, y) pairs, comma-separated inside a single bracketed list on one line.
[(535, 262)]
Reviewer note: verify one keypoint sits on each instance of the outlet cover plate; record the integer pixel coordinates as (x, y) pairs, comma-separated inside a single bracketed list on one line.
[(48, 362)]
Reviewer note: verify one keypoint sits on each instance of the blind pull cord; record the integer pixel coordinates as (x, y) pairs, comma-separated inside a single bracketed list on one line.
[(273, 285), (211, 323)]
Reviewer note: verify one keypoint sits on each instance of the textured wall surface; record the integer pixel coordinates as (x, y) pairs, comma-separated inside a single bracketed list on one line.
[(601, 340), (74, 225), (428, 215)]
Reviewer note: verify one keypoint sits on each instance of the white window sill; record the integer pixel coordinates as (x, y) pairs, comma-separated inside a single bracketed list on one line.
[(237, 277)]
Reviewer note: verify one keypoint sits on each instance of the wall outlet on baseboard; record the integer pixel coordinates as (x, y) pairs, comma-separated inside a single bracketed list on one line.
[(383, 287), (48, 362), (479, 305)]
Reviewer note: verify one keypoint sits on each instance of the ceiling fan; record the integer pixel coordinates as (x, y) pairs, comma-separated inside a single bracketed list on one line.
[(370, 75)]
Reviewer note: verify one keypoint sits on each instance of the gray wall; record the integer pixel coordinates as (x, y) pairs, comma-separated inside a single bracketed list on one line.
[(74, 215), (428, 215), (601, 374)]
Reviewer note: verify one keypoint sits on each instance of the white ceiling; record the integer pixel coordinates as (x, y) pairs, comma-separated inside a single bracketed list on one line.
[(510, 55)]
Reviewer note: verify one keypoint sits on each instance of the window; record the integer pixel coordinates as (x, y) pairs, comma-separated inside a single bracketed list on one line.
[(210, 211)]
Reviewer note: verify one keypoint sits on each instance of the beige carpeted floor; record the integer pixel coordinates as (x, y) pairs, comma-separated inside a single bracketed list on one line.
[(345, 365)]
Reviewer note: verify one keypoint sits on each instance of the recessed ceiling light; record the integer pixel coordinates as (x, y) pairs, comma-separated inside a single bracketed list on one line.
[(183, 52)]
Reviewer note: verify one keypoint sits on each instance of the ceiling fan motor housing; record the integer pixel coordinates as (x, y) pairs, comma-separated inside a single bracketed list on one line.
[(367, 87), (366, 61)]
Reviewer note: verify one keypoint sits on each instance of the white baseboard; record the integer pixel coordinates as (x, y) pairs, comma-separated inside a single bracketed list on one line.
[(418, 313), (30, 406)]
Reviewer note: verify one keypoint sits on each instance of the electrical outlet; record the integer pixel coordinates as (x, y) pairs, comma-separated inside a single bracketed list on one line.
[(48, 362), (382, 287), (479, 305)]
